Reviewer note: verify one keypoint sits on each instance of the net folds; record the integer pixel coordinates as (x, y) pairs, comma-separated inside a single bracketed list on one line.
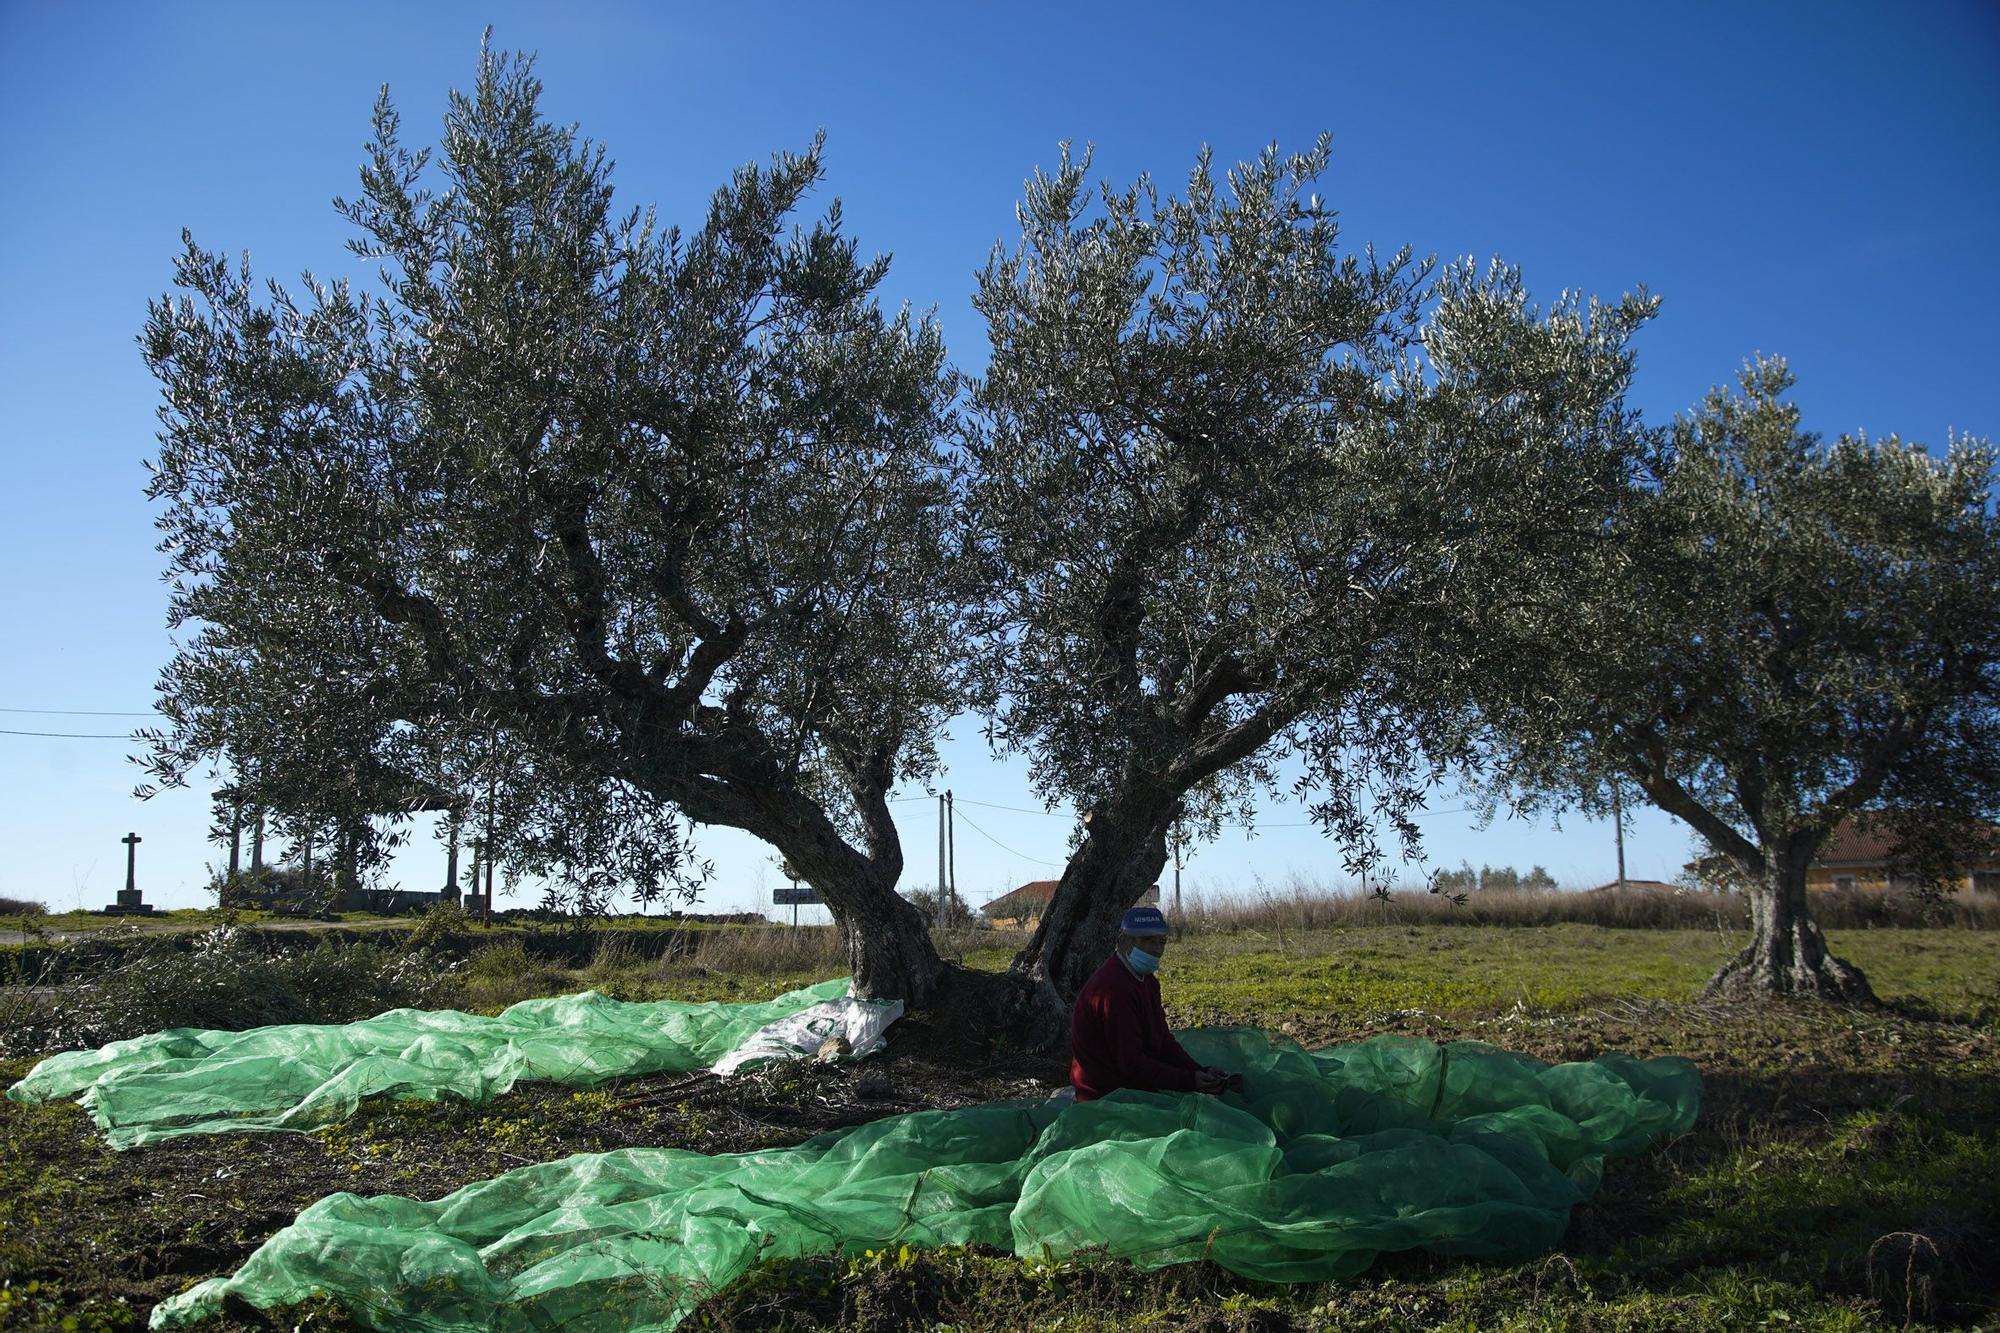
[(300, 1076), (1324, 1160)]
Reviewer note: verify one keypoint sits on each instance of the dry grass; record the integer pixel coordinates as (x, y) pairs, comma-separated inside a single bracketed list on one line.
[(1303, 906), (760, 952)]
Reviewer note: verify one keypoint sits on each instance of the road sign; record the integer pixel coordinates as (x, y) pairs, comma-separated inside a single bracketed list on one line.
[(797, 895)]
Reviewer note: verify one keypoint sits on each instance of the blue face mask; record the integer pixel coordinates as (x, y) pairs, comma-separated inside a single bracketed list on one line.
[(1145, 964)]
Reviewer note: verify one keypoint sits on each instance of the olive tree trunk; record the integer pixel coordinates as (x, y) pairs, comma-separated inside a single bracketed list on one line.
[(1119, 859), (1787, 955), (889, 948)]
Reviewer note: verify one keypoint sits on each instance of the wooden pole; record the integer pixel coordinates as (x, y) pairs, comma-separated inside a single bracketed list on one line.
[(941, 825), (486, 906), (951, 844), (1618, 824)]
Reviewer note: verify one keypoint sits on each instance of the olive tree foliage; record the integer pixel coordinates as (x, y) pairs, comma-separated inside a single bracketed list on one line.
[(1780, 633), (311, 753), (1225, 476), (608, 528)]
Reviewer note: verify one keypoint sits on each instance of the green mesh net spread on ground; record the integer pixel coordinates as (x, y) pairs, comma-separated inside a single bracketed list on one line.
[(1326, 1159), (300, 1076)]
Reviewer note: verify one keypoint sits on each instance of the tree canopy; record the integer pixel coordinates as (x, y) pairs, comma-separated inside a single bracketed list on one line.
[(630, 524), (1779, 633), (1225, 475)]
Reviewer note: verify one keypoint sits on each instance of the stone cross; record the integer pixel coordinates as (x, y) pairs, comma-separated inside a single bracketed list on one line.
[(131, 841)]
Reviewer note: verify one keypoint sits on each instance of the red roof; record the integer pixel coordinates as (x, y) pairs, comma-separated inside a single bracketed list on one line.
[(1034, 896), (1649, 885), (1028, 900), (1870, 839)]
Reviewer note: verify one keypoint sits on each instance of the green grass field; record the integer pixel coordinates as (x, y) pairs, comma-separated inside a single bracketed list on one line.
[(1843, 1175)]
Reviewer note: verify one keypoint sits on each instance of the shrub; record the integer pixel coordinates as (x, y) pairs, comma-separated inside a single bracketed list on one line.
[(226, 981), (940, 911), (22, 907), (444, 927), (500, 974)]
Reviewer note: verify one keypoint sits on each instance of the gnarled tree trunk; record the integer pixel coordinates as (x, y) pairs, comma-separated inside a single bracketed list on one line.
[(1119, 859), (1787, 955), (889, 947)]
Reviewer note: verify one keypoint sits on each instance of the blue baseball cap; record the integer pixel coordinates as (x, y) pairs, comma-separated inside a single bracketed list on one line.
[(1142, 921)]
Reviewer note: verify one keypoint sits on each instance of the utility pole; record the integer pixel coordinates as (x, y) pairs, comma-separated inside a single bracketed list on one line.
[(943, 818), (1618, 824), (951, 844), (486, 902), (1177, 870), (450, 894), (235, 833)]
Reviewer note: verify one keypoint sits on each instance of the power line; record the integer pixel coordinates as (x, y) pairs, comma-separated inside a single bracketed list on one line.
[(72, 735), (1313, 823), (1036, 860), (1019, 810), (80, 712)]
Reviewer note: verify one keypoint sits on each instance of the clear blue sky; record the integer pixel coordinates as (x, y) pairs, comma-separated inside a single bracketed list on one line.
[(1812, 179)]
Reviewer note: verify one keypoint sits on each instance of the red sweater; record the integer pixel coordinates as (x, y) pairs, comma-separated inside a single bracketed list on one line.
[(1118, 1037)]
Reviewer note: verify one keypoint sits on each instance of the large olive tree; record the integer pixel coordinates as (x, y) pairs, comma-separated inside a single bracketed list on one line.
[(1778, 634), (1229, 482), (629, 525)]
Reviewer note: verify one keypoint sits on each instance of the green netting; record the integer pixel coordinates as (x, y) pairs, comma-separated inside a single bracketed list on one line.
[(299, 1076), (1325, 1160)]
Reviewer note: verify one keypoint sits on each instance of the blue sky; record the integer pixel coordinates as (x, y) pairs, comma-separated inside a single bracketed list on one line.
[(1816, 180)]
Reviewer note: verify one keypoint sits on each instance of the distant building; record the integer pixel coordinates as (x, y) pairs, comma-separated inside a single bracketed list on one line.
[(1639, 885), (1863, 854), (1024, 908)]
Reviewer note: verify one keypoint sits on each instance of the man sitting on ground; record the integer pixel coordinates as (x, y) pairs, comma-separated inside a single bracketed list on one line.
[(1118, 1035)]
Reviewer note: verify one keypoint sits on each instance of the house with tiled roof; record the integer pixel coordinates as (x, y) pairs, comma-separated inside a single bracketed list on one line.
[(1863, 854), (1638, 886), (1023, 908)]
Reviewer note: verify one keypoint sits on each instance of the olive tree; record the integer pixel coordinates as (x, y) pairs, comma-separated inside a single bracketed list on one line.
[(1779, 634), (1227, 479), (627, 527)]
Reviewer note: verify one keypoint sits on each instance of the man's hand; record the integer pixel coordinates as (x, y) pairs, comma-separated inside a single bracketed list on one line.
[(1209, 1079)]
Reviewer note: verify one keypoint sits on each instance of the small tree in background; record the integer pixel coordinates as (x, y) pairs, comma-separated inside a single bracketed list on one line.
[(1780, 634)]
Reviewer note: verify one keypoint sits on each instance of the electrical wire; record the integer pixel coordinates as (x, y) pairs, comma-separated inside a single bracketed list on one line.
[(72, 735), (1421, 814), (80, 712), (1016, 809), (1035, 860)]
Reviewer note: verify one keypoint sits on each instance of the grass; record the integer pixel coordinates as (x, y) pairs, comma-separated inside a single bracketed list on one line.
[(1447, 969), (1841, 1177)]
